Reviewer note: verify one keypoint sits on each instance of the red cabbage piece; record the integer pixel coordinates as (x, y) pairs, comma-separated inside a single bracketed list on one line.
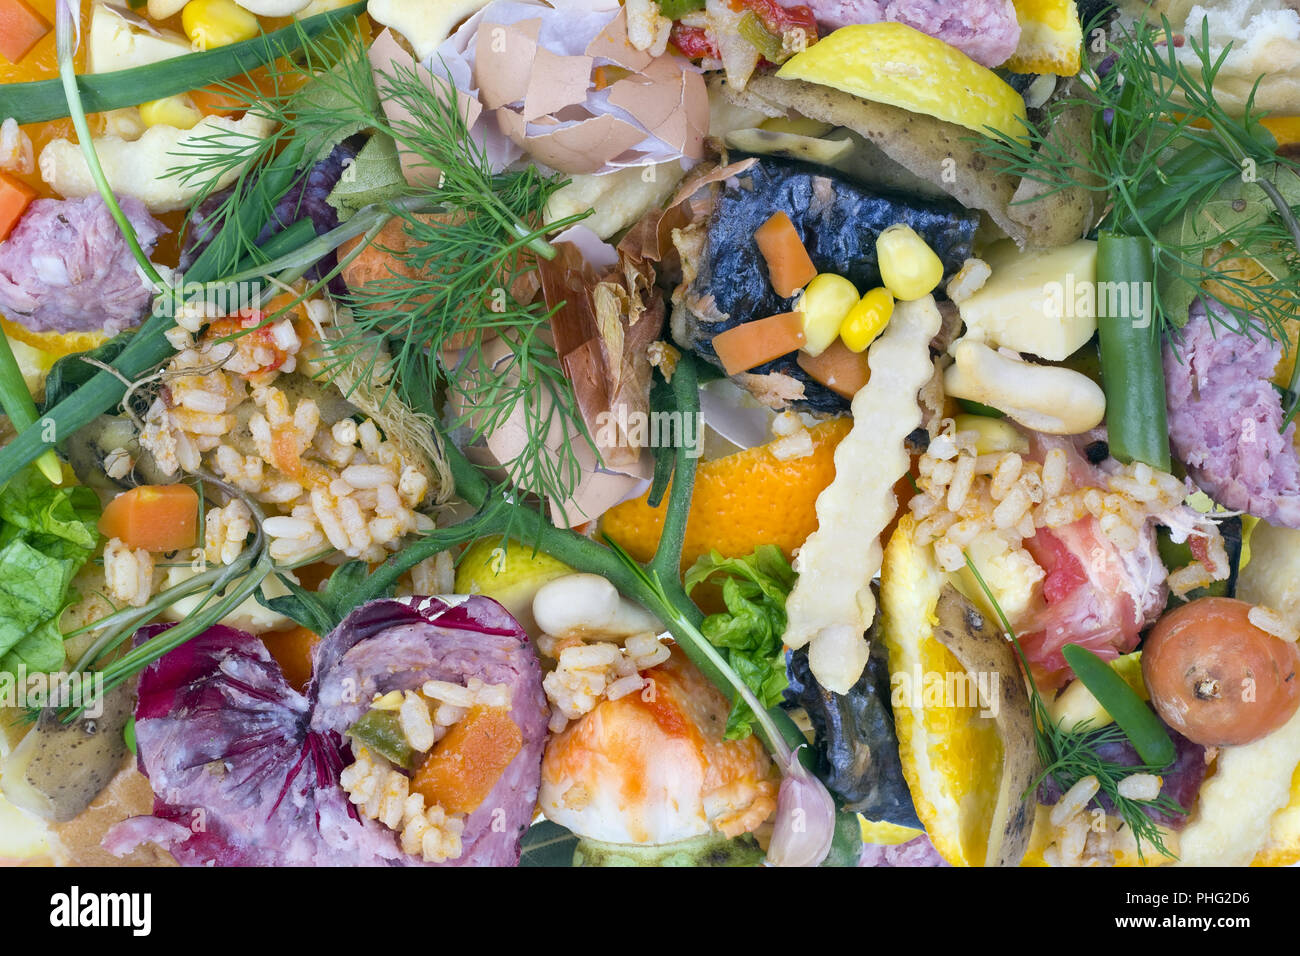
[(245, 769), (918, 851)]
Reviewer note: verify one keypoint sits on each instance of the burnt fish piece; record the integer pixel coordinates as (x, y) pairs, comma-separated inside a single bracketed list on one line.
[(856, 746), (838, 221)]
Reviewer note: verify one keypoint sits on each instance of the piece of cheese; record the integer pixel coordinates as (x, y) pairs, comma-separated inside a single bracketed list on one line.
[(120, 40), (424, 23), (1042, 301)]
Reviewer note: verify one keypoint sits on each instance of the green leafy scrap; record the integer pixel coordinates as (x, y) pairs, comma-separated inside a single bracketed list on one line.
[(1239, 213), (320, 611), (46, 534), (754, 590), (375, 175)]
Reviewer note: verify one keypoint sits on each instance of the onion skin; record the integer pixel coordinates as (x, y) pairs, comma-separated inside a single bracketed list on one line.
[(1202, 662)]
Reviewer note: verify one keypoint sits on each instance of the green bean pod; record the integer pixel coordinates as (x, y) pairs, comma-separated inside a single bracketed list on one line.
[(1132, 369), (1148, 735)]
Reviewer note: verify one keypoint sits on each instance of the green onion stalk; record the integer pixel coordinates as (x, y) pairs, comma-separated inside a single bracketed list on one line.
[(806, 812), (18, 404)]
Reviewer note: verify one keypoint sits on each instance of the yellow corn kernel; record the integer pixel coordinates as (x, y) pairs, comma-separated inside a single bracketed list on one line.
[(867, 319), (993, 435), (390, 701), (909, 268), (177, 111), (213, 23), (824, 303)]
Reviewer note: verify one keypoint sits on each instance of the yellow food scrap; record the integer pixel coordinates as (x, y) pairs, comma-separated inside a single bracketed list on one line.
[(896, 64), (1050, 37)]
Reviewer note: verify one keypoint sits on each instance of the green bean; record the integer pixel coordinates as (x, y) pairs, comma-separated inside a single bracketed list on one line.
[(1132, 369), (1139, 723)]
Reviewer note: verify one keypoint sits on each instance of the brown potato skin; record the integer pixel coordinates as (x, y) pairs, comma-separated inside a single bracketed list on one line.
[(1197, 663)]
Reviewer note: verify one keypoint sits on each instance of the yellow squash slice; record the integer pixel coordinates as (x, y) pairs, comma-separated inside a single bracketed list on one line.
[(896, 64)]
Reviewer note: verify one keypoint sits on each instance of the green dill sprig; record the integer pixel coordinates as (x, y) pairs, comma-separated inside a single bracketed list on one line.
[(447, 315), (1068, 756), (1160, 148)]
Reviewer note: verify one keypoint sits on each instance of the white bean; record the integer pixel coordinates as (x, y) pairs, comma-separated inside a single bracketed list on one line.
[(1047, 398), (588, 603)]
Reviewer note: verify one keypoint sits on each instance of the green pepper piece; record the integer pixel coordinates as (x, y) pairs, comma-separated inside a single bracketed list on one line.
[(763, 40), (381, 731), (676, 9)]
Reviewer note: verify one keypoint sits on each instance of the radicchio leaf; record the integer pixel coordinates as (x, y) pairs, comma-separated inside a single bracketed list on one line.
[(245, 769)]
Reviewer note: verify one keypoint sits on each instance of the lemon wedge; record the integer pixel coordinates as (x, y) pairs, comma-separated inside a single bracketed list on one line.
[(950, 754), (54, 344), (886, 834), (896, 64), (1050, 37)]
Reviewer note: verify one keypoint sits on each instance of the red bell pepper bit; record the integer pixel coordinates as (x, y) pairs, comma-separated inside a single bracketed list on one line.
[(698, 42)]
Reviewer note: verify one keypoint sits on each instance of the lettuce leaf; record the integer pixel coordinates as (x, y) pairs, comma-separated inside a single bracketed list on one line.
[(46, 534), (754, 590)]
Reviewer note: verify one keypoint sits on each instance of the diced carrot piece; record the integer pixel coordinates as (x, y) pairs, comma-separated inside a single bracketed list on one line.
[(788, 265), (153, 517), (839, 368), (753, 343), (467, 763), (292, 650), (15, 197), (21, 28)]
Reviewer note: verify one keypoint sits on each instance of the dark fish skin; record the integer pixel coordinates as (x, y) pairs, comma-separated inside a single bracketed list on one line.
[(838, 221), (857, 748)]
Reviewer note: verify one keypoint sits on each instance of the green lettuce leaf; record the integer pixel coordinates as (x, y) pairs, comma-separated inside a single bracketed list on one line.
[(41, 650), (374, 176), (32, 587), (754, 590), (46, 534), (32, 504)]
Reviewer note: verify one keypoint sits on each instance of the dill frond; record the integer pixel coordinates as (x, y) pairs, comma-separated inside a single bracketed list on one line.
[(1160, 147), (450, 295)]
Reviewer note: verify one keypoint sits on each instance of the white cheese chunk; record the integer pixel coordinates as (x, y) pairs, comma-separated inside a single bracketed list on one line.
[(120, 40), (1041, 301)]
